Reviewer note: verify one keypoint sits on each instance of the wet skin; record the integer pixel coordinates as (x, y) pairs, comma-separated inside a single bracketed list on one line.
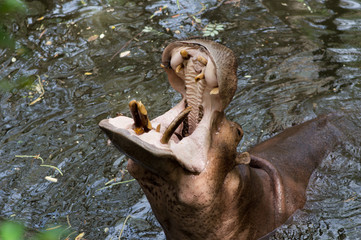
[(186, 160)]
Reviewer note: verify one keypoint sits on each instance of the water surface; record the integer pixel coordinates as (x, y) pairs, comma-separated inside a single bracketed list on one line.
[(297, 60)]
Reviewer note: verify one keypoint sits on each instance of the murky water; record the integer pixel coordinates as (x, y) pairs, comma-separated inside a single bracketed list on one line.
[(296, 60)]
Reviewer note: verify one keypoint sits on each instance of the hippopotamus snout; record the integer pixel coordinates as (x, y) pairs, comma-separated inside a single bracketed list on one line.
[(183, 134)]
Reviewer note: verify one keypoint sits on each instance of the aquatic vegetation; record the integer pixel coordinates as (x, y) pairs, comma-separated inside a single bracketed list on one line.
[(212, 30), (9, 9), (16, 231)]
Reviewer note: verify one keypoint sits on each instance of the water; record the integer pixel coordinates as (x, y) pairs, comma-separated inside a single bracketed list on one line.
[(296, 60)]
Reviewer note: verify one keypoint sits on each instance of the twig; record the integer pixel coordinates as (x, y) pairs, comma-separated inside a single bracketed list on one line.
[(50, 166), (41, 93), (42, 161), (68, 221), (125, 221), (65, 230), (200, 11), (125, 45), (68, 237), (31, 156), (217, 6), (52, 228), (111, 185)]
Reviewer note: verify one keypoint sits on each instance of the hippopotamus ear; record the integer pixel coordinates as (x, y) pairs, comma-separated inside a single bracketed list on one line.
[(243, 158)]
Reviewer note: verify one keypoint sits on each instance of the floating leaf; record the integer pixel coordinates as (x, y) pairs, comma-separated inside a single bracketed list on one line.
[(93, 38), (51, 179), (147, 29), (124, 54)]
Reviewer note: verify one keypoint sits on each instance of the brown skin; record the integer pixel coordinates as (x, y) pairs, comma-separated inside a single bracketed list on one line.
[(185, 204), (232, 201), (297, 152), (231, 198)]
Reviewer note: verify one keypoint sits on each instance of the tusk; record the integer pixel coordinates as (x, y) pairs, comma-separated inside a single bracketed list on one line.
[(174, 125), (144, 117), (184, 54), (214, 91), (199, 77), (134, 111), (140, 117), (202, 60), (178, 68), (158, 128)]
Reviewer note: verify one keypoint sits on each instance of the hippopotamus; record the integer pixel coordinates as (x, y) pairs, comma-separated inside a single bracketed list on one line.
[(186, 160)]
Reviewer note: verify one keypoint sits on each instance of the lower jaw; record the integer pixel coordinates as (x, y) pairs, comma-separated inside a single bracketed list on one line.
[(190, 152)]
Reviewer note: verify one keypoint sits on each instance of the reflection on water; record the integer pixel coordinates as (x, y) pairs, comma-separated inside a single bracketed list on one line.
[(296, 60)]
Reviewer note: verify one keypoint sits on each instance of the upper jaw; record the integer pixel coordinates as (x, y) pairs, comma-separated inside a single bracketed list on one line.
[(192, 71)]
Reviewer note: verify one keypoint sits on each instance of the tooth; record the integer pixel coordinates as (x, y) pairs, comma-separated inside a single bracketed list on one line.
[(141, 108), (162, 65), (140, 117), (178, 68), (144, 117), (214, 91), (158, 128), (134, 111), (174, 125), (202, 60), (184, 54), (199, 77)]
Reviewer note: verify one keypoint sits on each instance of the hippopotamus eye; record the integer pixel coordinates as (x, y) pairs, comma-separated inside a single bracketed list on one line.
[(239, 132)]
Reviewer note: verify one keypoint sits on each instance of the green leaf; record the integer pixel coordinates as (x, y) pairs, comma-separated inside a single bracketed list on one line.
[(9, 6), (219, 27), (50, 235), (147, 29), (11, 231), (5, 40)]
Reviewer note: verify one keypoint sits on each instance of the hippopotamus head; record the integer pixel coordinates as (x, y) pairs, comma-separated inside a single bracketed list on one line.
[(186, 161), (204, 73)]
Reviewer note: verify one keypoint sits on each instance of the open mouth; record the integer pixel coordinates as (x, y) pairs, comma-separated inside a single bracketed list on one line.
[(184, 132)]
